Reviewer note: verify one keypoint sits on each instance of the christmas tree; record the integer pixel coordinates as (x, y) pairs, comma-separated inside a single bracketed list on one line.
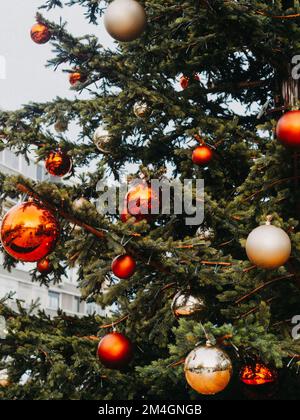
[(196, 93)]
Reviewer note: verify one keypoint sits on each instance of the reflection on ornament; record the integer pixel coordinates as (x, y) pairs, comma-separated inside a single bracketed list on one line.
[(101, 138), (125, 20), (205, 234), (29, 232), (40, 33), (208, 369), (58, 163), (288, 129), (202, 155), (123, 266), (268, 247), (141, 109), (115, 350), (257, 374), (185, 304)]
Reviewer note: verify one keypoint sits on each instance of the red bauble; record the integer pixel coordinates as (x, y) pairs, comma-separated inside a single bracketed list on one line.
[(123, 266), (140, 200), (58, 163), (257, 374), (185, 80), (40, 33), (115, 350), (44, 266), (202, 155), (288, 129), (76, 77), (29, 232)]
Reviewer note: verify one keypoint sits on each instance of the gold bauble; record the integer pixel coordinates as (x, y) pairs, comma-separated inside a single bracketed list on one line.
[(125, 20), (141, 109), (185, 304), (268, 246), (208, 369), (101, 138)]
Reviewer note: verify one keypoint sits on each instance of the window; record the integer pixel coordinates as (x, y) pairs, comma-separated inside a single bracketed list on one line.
[(76, 304), (53, 300)]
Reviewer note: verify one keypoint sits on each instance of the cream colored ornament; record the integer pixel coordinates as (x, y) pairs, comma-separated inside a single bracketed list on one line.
[(79, 203), (102, 138), (208, 369), (268, 246), (4, 379), (141, 109), (125, 20), (185, 304), (205, 234)]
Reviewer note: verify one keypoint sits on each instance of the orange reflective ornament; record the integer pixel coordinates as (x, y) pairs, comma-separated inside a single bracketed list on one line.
[(76, 77), (44, 266), (58, 163), (257, 374), (141, 202), (202, 155), (123, 266), (29, 232), (40, 33), (115, 350)]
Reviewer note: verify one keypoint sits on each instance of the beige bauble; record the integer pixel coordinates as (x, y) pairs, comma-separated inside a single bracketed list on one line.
[(102, 138), (268, 246), (125, 20), (184, 304), (208, 369), (80, 203), (141, 109)]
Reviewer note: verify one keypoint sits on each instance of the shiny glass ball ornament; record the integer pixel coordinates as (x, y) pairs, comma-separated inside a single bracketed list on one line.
[(208, 369), (76, 77), (115, 351), (125, 20), (58, 163), (141, 109), (44, 266), (202, 155), (268, 247), (29, 232), (40, 33), (205, 234), (80, 202), (184, 304), (185, 80), (123, 266), (288, 129), (102, 138), (61, 126), (257, 374)]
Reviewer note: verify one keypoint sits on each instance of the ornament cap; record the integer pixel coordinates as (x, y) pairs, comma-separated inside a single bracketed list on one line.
[(269, 220)]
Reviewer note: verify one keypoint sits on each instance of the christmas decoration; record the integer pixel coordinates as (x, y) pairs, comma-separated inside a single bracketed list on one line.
[(125, 20), (115, 351), (29, 232), (185, 304), (3, 329), (141, 109), (205, 234), (40, 33), (76, 77), (140, 201), (101, 138), (58, 163), (288, 129), (268, 246), (4, 379), (123, 266), (257, 374), (79, 203), (184, 80), (208, 369), (44, 266), (61, 125), (202, 155)]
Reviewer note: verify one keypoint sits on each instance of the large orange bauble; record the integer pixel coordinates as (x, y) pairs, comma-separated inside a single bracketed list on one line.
[(288, 129), (44, 266), (40, 33), (257, 374), (58, 163), (139, 202), (115, 350), (76, 77), (202, 155), (123, 266), (29, 232)]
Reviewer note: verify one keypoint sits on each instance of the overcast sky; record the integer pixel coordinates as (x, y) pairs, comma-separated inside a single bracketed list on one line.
[(27, 79)]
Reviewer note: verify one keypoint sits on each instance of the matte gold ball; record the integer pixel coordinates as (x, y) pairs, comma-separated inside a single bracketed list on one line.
[(125, 20), (268, 246), (208, 369), (185, 304)]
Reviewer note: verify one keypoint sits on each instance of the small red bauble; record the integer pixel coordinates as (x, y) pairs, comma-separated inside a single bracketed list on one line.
[(185, 80), (58, 163), (40, 33), (44, 266), (29, 232), (257, 374), (123, 266), (76, 77), (115, 350), (140, 200), (288, 129), (202, 155)]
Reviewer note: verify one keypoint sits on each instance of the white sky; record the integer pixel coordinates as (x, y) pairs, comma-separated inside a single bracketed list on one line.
[(27, 79)]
